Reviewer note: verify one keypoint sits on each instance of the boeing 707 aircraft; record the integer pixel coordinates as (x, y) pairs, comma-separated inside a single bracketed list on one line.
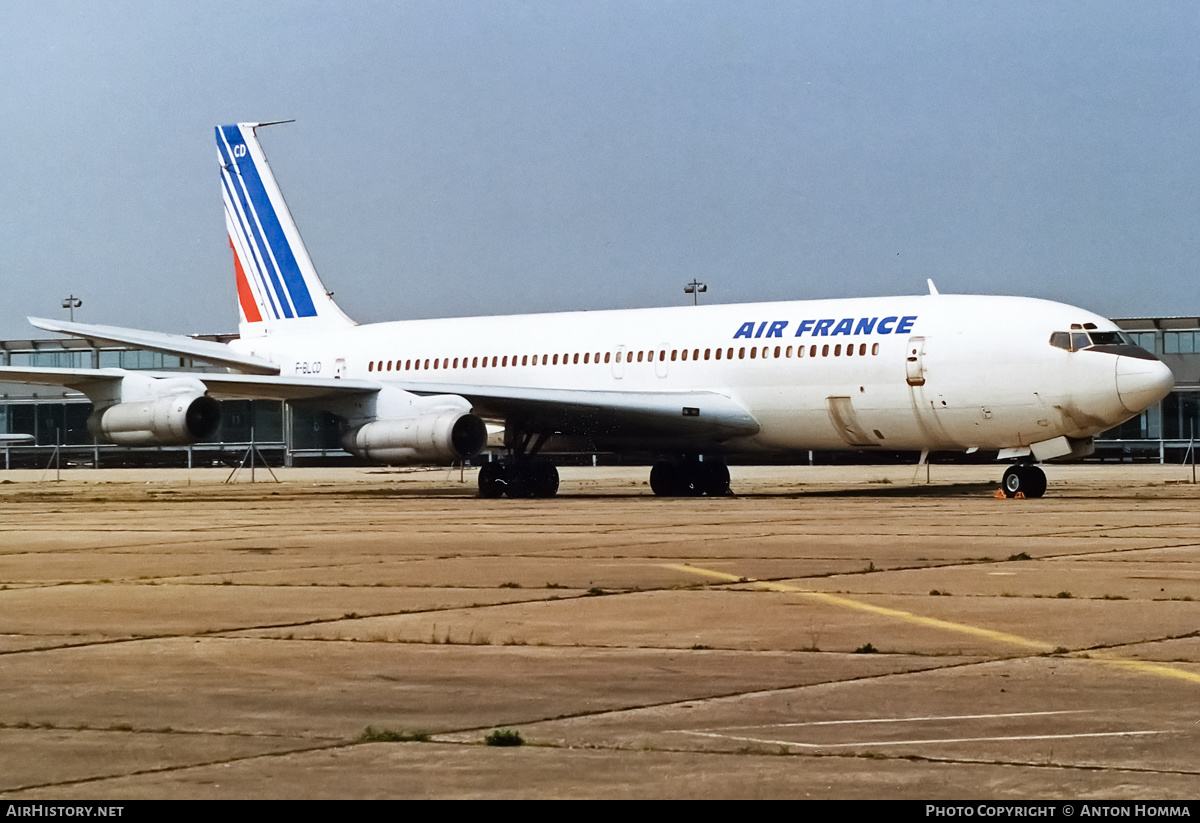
[(1029, 379)]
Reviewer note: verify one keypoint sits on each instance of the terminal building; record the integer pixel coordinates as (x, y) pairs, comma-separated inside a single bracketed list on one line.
[(289, 435)]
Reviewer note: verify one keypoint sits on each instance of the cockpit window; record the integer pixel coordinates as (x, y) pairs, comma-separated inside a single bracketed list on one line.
[(1110, 338), (1078, 340)]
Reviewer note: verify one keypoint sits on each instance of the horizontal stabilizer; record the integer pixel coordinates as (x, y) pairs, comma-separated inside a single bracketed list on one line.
[(218, 354)]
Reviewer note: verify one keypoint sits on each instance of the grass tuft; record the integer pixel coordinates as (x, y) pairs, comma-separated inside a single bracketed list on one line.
[(504, 737), (373, 735)]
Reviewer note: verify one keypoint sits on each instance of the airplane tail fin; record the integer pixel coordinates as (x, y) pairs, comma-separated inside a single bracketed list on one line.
[(277, 285)]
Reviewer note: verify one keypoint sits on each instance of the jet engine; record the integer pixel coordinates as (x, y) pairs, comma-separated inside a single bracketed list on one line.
[(174, 420), (437, 437)]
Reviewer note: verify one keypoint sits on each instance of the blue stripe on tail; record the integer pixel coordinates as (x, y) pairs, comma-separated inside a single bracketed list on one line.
[(272, 234)]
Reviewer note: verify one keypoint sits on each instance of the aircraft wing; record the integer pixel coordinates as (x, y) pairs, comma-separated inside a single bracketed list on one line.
[(220, 385), (211, 352), (577, 411), (567, 411)]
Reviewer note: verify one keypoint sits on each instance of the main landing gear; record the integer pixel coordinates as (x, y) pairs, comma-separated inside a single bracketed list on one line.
[(689, 477), (520, 477), (1025, 479), (522, 474)]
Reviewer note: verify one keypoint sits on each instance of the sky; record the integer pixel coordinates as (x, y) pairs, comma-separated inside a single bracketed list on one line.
[(496, 157)]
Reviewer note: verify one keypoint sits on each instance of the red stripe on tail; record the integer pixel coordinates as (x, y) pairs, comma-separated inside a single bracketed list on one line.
[(245, 298)]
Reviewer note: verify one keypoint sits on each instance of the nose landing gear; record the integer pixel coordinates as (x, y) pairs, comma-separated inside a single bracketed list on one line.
[(1025, 479)]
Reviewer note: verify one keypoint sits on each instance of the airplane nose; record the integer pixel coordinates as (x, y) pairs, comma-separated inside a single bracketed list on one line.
[(1142, 383)]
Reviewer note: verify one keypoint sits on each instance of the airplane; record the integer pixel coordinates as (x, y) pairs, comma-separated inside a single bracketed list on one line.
[(1030, 379)]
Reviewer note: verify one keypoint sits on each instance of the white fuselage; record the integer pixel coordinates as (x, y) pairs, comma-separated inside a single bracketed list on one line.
[(926, 372)]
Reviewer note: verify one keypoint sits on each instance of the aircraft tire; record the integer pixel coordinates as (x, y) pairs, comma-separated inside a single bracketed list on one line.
[(491, 480), (544, 479), (665, 479), (1035, 482), (1029, 481), (715, 478)]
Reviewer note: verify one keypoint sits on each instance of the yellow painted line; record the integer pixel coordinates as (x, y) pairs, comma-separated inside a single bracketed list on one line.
[(1141, 666), (1147, 667), (923, 741)]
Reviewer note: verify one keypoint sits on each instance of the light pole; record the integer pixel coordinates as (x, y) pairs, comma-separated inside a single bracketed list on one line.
[(72, 303), (695, 288)]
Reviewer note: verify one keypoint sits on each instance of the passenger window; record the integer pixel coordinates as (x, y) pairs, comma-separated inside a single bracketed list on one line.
[(606, 357), (695, 354), (709, 351), (753, 352), (874, 348), (837, 350), (741, 353), (825, 350), (673, 353), (720, 351)]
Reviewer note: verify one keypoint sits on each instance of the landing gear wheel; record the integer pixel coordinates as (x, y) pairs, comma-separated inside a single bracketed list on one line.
[(664, 479), (520, 478), (491, 480), (689, 478), (714, 479), (1027, 480), (543, 479)]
